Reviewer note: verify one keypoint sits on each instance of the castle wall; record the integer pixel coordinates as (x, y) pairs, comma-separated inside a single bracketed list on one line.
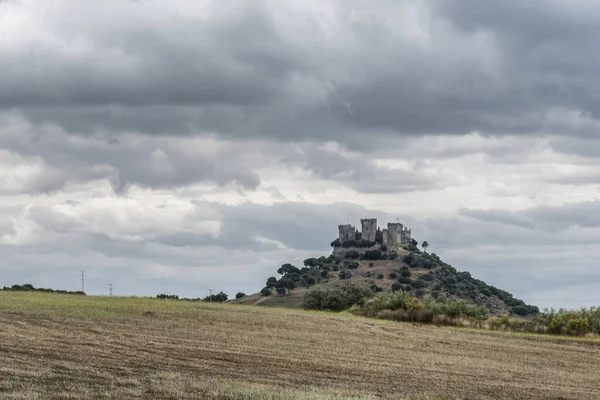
[(407, 236), (346, 232), (385, 236), (369, 229), (395, 233)]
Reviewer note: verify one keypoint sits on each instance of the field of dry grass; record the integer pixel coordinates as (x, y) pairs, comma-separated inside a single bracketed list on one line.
[(68, 347)]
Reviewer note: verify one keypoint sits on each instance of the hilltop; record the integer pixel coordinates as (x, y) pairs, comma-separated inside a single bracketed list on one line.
[(384, 263)]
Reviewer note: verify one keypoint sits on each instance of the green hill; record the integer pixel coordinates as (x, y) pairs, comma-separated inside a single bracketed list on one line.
[(385, 269)]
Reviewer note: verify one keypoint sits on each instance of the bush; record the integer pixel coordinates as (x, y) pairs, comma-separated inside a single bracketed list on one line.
[(240, 295), (418, 284), (373, 255), (375, 288), (393, 275), (345, 274), (396, 287), (520, 310), (427, 277), (404, 279), (383, 248), (338, 299), (351, 264)]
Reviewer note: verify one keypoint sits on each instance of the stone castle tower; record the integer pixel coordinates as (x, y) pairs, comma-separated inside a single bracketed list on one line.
[(347, 233), (395, 234), (369, 229)]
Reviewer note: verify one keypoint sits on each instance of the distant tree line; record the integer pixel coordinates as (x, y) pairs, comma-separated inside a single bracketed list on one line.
[(220, 297), (30, 288)]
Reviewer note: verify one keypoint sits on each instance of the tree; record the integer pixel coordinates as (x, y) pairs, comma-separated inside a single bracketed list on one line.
[(425, 245), (240, 295), (287, 269), (286, 284), (266, 291), (271, 282), (281, 290), (216, 298)]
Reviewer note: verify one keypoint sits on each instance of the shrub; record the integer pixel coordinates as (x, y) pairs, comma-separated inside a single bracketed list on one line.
[(380, 276), (373, 255), (427, 277), (418, 284), (345, 274), (393, 275), (240, 295), (266, 291), (520, 310), (375, 288), (352, 254), (337, 299), (405, 272), (383, 248), (351, 264), (404, 279), (396, 287)]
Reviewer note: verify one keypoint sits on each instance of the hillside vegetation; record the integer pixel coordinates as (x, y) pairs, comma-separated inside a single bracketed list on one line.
[(75, 347), (386, 270)]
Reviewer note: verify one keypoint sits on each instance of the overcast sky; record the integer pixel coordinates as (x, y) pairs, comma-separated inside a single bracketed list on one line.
[(177, 146)]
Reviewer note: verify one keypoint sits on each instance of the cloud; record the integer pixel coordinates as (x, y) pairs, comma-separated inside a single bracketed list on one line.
[(292, 71), (173, 145)]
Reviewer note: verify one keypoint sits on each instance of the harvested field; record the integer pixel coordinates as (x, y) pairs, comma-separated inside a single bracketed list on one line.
[(71, 347)]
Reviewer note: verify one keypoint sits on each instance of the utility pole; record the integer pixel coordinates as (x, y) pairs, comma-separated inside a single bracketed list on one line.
[(110, 288), (210, 292), (83, 281)]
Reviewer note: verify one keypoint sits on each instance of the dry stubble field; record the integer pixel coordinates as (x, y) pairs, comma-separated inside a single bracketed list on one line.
[(68, 347)]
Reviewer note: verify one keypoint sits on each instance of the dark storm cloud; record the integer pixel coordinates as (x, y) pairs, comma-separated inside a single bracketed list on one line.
[(258, 69), (130, 159), (548, 218)]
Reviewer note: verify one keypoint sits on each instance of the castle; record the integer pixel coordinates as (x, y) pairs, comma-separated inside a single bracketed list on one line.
[(395, 234)]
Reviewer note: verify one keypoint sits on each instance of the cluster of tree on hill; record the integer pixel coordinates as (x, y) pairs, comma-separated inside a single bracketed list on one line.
[(446, 280), (30, 288), (403, 306)]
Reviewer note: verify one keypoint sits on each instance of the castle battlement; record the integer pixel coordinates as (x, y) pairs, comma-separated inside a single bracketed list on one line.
[(395, 234)]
